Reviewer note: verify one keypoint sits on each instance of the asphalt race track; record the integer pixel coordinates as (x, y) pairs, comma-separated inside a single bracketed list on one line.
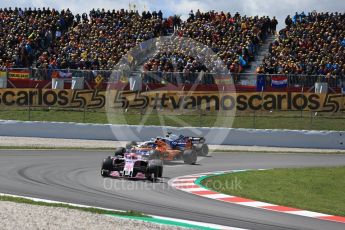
[(74, 176)]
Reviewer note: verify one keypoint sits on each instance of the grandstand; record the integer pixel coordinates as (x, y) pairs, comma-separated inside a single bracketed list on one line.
[(45, 40), (234, 38), (51, 39), (311, 45)]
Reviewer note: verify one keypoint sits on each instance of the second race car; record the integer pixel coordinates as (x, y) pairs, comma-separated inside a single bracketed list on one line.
[(180, 142), (160, 148)]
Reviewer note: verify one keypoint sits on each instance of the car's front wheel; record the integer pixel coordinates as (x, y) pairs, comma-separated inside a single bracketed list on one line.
[(190, 156), (107, 165), (154, 170)]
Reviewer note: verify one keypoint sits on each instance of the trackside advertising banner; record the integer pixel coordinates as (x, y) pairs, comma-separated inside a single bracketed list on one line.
[(173, 100), (3, 74), (19, 74)]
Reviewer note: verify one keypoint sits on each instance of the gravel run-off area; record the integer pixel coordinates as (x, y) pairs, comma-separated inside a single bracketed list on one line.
[(15, 216)]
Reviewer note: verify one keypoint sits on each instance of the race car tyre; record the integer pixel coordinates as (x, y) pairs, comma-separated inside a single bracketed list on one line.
[(190, 156), (155, 168), (154, 154), (119, 152), (106, 167), (105, 173), (131, 144), (202, 149)]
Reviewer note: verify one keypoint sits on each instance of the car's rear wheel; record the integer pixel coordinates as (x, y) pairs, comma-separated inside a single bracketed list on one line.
[(202, 149), (131, 144), (190, 156), (119, 152), (154, 154)]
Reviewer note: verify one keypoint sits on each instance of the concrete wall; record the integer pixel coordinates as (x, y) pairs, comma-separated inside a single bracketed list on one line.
[(225, 136)]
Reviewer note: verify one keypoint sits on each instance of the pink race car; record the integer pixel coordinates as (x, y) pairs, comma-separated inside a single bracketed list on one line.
[(131, 165)]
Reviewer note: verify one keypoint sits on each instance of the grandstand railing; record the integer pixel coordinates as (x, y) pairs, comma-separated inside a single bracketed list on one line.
[(293, 80)]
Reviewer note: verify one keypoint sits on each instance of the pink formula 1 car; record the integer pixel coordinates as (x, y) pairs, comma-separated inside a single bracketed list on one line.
[(131, 165)]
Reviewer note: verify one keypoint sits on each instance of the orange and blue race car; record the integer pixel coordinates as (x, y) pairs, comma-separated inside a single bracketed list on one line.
[(171, 147), (181, 142)]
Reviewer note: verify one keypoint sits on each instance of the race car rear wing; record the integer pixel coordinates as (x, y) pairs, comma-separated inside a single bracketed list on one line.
[(197, 140)]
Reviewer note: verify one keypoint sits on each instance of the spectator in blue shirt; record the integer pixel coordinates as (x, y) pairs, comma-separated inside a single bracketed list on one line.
[(343, 42)]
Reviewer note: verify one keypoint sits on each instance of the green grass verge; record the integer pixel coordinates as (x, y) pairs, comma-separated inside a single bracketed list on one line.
[(313, 189), (259, 120), (59, 205)]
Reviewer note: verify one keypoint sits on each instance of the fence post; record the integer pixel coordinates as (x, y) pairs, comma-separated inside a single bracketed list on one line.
[(342, 91), (141, 115), (84, 114), (254, 119), (200, 117), (29, 112), (30, 73), (29, 108), (342, 109)]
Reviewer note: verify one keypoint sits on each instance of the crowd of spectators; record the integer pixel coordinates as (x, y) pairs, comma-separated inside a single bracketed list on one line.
[(46, 38), (181, 59), (28, 34), (234, 38), (312, 44)]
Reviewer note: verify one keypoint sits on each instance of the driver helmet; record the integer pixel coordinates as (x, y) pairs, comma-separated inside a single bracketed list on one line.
[(133, 156)]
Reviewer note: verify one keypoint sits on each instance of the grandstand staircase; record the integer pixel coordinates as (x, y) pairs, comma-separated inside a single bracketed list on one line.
[(249, 77), (140, 61), (137, 68)]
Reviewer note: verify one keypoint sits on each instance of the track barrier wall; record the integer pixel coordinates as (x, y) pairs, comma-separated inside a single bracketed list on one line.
[(214, 136)]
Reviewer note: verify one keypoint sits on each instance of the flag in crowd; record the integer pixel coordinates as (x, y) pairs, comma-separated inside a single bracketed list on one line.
[(279, 81), (64, 75)]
